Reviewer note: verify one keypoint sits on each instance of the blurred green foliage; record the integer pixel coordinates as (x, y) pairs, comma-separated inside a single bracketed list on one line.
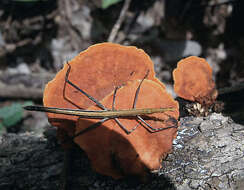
[(108, 3), (11, 115)]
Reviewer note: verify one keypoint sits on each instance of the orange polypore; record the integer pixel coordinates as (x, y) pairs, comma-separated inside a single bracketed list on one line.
[(97, 70), (113, 152), (193, 80)]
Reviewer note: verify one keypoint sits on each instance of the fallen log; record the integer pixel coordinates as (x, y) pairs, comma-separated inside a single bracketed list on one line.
[(208, 154)]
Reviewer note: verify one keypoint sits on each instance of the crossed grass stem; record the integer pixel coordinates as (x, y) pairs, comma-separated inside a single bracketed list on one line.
[(100, 105)]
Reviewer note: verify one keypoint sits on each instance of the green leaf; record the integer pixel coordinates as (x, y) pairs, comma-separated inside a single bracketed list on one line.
[(27, 103), (1, 126), (108, 3), (2, 129), (11, 115)]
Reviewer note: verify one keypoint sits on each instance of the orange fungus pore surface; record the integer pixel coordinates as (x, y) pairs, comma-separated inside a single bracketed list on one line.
[(113, 152), (97, 71), (193, 80)]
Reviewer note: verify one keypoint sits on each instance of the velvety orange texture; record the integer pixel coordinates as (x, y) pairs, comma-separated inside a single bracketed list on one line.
[(193, 80), (115, 153), (97, 70)]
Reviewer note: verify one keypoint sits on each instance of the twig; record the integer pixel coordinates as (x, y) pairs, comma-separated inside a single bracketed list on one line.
[(11, 47), (118, 23), (66, 13), (45, 76), (20, 92)]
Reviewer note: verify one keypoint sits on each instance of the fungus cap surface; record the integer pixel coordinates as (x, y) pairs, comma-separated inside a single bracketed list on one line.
[(113, 152), (97, 71), (193, 80)]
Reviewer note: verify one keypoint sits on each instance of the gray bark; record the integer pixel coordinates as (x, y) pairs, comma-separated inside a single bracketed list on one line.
[(208, 154)]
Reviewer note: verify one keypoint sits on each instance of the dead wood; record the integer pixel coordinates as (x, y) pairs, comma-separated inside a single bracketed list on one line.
[(23, 86), (208, 154), (119, 21)]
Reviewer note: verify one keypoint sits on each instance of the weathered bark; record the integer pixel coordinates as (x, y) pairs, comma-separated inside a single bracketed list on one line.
[(208, 154)]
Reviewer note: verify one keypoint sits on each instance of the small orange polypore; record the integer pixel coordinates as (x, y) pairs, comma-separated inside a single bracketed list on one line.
[(193, 80), (97, 71), (113, 152)]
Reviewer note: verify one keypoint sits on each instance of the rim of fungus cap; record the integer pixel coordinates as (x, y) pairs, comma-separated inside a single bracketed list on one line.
[(193, 80)]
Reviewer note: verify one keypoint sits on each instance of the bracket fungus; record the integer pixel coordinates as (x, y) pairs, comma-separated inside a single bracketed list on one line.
[(193, 81), (97, 71), (115, 153)]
